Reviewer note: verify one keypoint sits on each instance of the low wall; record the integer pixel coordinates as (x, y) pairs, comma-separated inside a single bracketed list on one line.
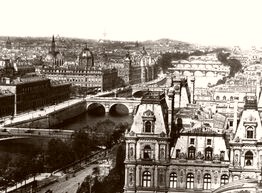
[(55, 118)]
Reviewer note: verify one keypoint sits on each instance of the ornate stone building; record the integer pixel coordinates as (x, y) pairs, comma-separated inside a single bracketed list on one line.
[(83, 73), (147, 146), (168, 152), (246, 143)]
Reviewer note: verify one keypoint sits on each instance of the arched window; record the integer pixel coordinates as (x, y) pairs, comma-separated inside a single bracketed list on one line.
[(249, 158), (190, 181), (146, 179), (172, 180), (191, 152), (231, 98), (207, 181), (217, 98), (224, 98), (208, 153), (250, 132), (224, 179), (147, 152), (148, 127)]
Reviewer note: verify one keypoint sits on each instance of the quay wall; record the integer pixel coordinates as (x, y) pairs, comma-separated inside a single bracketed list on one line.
[(54, 118)]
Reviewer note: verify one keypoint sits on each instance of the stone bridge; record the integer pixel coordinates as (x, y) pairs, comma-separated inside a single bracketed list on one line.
[(109, 102), (197, 68), (13, 133), (159, 84)]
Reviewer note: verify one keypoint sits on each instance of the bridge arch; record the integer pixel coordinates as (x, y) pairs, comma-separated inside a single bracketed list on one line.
[(118, 109), (96, 109)]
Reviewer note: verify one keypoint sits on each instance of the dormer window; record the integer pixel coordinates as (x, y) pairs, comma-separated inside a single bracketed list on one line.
[(208, 141), (250, 132), (148, 121), (192, 141), (148, 127)]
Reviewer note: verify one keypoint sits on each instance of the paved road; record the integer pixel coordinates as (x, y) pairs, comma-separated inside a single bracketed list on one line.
[(38, 113), (70, 185)]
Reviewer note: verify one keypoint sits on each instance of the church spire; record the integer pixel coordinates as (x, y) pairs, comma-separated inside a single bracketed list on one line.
[(53, 44)]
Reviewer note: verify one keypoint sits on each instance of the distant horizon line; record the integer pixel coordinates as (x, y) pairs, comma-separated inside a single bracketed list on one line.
[(98, 39)]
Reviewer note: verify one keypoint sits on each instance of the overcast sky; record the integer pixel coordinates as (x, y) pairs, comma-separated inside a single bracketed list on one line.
[(213, 22)]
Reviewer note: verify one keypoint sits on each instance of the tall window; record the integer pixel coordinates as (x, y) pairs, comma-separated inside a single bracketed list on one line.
[(208, 141), (146, 179), (173, 180), (224, 179), (148, 127), (191, 152), (208, 153), (224, 98), (250, 132), (147, 152), (249, 158), (207, 181), (192, 141), (190, 181)]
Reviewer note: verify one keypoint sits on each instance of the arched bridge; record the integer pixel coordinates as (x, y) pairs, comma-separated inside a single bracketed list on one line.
[(13, 133), (199, 68), (108, 103)]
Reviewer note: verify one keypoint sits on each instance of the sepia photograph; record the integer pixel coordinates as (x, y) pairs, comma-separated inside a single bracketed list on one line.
[(130, 96)]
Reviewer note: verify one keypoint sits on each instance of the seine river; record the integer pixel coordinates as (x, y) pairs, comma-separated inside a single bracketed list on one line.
[(88, 120)]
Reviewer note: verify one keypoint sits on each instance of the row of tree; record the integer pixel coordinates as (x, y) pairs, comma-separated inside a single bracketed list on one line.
[(57, 154), (164, 62), (234, 64)]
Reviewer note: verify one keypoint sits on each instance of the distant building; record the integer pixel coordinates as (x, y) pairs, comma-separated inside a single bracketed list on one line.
[(33, 92), (7, 103), (54, 58), (8, 44), (134, 68), (83, 73), (85, 59)]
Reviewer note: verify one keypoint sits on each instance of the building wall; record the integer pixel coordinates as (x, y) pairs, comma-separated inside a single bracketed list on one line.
[(7, 105), (32, 94)]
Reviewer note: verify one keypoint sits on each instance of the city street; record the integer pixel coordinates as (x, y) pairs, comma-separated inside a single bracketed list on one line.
[(38, 113), (71, 184)]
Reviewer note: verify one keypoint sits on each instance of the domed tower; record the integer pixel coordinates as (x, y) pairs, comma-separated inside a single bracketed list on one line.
[(86, 58), (147, 146)]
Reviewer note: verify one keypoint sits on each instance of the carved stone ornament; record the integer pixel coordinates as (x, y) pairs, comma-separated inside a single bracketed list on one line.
[(131, 133)]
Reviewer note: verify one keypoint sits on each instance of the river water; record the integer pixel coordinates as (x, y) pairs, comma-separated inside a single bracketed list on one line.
[(86, 119)]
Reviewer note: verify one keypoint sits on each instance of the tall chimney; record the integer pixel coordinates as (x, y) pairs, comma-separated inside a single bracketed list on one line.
[(193, 90)]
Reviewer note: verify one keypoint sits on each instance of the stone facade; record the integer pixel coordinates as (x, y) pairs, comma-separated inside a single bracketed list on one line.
[(167, 152)]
